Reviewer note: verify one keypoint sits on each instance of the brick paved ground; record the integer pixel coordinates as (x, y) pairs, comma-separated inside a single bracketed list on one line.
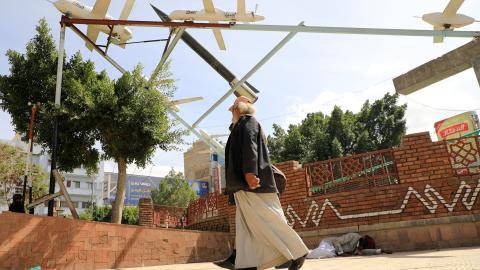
[(451, 259)]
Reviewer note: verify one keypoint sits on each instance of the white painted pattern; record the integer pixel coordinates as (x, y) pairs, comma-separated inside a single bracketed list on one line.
[(315, 212)]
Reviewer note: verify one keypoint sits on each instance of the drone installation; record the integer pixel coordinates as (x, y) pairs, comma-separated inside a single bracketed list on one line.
[(178, 21)]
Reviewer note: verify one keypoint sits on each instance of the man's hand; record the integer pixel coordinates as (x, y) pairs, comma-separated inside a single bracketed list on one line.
[(252, 180)]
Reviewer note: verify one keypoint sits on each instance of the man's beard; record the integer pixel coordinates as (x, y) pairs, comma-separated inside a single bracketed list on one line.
[(234, 119)]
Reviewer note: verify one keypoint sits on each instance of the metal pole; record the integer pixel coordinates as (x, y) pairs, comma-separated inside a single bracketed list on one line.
[(354, 30), (115, 64), (249, 74), (28, 162), (167, 53), (58, 91), (220, 151)]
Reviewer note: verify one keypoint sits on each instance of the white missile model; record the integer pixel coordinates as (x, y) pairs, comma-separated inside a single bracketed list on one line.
[(214, 15), (77, 10)]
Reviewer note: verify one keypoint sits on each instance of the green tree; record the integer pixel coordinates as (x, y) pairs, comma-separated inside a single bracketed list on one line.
[(132, 122), (318, 137), (294, 148), (276, 143), (173, 190), (312, 129), (104, 214), (12, 171), (384, 121), (128, 119), (32, 79)]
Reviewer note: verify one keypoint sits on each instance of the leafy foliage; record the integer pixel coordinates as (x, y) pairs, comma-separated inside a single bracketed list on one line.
[(173, 191), (127, 116), (377, 126), (104, 214), (12, 171), (32, 80)]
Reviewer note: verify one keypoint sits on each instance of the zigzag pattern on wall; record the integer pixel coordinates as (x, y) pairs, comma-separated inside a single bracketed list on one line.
[(315, 212)]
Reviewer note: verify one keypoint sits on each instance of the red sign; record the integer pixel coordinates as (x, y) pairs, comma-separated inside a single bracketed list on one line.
[(453, 129), (456, 126)]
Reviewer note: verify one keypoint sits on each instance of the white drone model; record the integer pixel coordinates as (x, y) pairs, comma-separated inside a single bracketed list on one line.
[(448, 19), (214, 15), (75, 9)]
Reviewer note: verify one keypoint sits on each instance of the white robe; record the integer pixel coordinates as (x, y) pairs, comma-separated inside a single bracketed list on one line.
[(263, 238)]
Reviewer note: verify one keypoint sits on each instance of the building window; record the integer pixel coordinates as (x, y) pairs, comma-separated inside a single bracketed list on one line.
[(64, 204), (69, 183), (76, 184), (89, 186), (86, 204)]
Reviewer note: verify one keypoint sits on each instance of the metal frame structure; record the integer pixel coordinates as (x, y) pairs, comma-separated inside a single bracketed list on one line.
[(292, 30), (282, 28)]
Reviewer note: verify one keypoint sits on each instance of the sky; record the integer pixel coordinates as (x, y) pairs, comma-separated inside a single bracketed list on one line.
[(311, 73)]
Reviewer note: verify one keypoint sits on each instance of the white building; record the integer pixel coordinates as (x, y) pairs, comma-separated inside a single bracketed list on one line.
[(83, 189)]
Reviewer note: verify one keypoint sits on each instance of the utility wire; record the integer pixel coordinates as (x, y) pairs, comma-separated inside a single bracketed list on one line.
[(439, 109), (356, 91), (315, 106)]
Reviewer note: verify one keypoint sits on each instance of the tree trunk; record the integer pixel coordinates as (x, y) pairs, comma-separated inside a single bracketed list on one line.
[(117, 207)]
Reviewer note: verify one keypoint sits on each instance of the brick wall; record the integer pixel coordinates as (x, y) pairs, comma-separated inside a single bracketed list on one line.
[(58, 243), (419, 159), (428, 189), (145, 212), (168, 216)]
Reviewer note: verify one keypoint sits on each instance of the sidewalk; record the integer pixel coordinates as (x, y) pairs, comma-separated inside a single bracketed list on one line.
[(450, 259)]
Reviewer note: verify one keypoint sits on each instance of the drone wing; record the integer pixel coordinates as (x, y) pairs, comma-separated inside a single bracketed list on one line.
[(92, 34), (208, 6), (241, 10), (438, 39), (453, 7), (100, 8), (127, 8), (218, 36), (99, 11)]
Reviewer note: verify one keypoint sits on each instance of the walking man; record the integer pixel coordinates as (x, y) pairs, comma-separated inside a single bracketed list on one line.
[(263, 238)]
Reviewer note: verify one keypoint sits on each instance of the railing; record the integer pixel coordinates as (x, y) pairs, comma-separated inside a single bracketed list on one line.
[(354, 172), (203, 208), (168, 216), (464, 155)]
